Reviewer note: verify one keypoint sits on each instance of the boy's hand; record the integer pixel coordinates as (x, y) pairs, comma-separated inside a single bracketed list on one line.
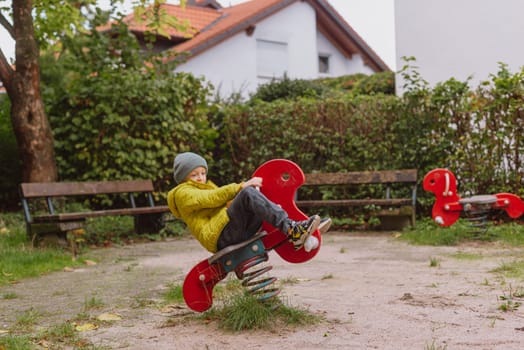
[(253, 182)]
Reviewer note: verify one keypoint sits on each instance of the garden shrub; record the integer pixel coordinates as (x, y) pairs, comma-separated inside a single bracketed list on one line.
[(116, 118), (288, 89), (474, 132)]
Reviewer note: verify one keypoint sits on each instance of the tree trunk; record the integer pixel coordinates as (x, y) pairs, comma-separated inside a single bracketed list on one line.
[(30, 123)]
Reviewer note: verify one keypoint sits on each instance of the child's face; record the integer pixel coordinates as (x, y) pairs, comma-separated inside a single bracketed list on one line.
[(198, 175)]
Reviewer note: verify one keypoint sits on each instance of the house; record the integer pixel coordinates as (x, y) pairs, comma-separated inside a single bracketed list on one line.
[(459, 39), (239, 47)]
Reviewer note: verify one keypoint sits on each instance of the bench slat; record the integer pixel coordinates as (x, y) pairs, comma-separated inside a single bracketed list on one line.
[(92, 214), (57, 189), (354, 202), (362, 177)]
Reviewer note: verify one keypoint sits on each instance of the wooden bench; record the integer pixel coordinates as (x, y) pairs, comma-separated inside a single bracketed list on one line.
[(43, 215), (388, 205)]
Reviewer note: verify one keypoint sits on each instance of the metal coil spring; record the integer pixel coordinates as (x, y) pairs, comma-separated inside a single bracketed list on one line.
[(262, 289), (477, 217)]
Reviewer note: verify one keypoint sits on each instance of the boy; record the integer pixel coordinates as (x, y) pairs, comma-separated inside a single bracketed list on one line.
[(222, 216)]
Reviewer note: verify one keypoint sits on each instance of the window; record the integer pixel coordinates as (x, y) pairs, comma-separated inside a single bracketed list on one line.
[(272, 58), (323, 63)]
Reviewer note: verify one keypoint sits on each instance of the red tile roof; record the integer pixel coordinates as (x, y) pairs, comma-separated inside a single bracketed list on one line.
[(196, 18), (211, 26)]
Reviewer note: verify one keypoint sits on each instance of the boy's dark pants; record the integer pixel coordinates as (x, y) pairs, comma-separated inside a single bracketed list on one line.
[(246, 213)]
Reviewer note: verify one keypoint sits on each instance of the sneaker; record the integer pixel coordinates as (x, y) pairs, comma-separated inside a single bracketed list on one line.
[(325, 224), (312, 242), (301, 230)]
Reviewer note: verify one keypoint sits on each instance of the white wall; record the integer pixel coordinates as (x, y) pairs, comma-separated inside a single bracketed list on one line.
[(459, 38), (231, 66), (339, 64)]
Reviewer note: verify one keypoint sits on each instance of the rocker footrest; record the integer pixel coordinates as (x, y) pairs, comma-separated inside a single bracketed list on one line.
[(230, 257)]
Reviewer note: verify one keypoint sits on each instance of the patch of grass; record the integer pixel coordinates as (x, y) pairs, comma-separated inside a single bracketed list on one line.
[(16, 342), (230, 286), (18, 259), (288, 281), (9, 296), (61, 336), (63, 333), (466, 256), (511, 233), (433, 346), (244, 312), (434, 262), (174, 294), (93, 303), (141, 301), (427, 232), (514, 269), (509, 304), (26, 320), (511, 300)]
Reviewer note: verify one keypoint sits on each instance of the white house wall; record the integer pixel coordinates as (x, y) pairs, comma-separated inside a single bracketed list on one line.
[(339, 64), (231, 66), (463, 38)]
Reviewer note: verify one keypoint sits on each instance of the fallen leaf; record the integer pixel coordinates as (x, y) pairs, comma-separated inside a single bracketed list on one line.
[(86, 327), (109, 317), (68, 269), (3, 331), (78, 232), (4, 230), (166, 309), (170, 308), (44, 343), (89, 262)]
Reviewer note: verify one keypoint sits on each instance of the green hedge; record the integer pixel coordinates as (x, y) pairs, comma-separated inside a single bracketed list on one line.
[(474, 132), (119, 124)]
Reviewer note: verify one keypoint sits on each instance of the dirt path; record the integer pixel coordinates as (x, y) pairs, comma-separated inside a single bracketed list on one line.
[(373, 291)]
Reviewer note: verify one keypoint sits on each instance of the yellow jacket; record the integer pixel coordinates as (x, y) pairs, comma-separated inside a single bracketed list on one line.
[(203, 208)]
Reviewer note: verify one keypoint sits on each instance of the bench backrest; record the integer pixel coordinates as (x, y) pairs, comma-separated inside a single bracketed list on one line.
[(362, 177), (58, 189)]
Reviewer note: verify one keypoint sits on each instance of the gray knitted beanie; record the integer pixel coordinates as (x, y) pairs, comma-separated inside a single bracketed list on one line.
[(186, 163)]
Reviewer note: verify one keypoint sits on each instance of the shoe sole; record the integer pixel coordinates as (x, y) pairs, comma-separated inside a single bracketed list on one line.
[(312, 228), (324, 226)]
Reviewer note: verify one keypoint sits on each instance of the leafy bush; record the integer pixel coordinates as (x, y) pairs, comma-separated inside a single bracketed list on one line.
[(362, 84), (475, 133), (332, 134), (288, 89)]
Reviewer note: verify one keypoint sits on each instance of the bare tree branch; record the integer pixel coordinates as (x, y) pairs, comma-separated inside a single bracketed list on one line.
[(5, 23), (6, 72)]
